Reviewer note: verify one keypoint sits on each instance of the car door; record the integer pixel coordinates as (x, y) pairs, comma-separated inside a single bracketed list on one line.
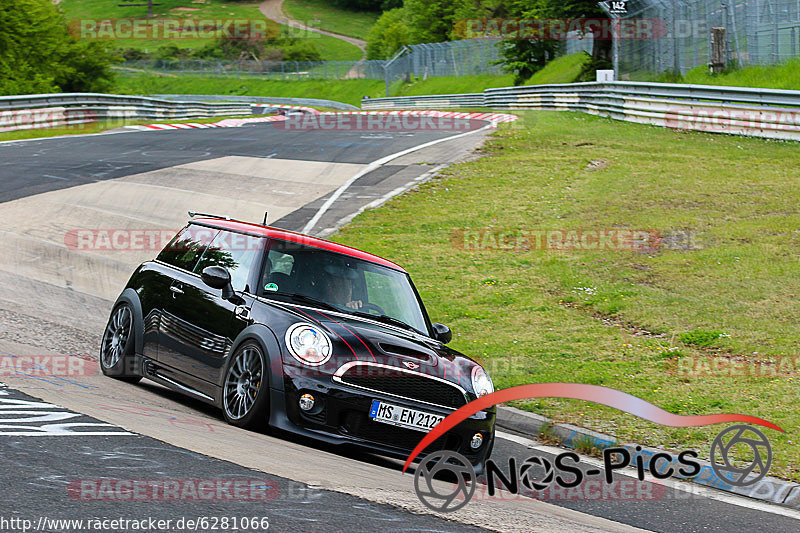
[(198, 326), (178, 257)]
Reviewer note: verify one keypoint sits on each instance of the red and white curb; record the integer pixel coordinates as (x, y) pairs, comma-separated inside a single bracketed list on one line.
[(493, 118), (289, 107), (226, 123)]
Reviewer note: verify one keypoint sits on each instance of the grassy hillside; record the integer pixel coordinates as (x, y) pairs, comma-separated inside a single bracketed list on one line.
[(324, 16), (623, 319), (450, 84), (332, 49), (564, 69), (783, 76), (348, 91)]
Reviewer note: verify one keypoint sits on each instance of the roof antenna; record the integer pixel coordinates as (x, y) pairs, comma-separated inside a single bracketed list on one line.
[(265, 218)]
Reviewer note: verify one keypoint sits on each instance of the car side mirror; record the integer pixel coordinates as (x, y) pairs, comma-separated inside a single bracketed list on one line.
[(218, 277), (442, 333)]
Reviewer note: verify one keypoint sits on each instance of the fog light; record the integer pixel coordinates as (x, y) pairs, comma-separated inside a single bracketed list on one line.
[(477, 440), (306, 402)]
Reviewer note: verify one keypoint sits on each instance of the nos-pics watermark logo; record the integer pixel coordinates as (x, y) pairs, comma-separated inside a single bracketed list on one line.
[(446, 481)]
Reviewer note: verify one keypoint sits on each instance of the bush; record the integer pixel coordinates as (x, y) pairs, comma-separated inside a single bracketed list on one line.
[(274, 49), (591, 66), (524, 58), (38, 55), (133, 54), (388, 35)]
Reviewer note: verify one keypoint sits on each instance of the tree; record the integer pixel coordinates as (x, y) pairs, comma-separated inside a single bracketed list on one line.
[(431, 21), (388, 35), (38, 55), (525, 57)]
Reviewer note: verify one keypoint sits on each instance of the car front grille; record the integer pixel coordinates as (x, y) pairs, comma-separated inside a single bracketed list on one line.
[(402, 383)]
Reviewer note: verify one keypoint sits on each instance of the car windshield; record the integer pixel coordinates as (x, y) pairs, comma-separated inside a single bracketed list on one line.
[(309, 275)]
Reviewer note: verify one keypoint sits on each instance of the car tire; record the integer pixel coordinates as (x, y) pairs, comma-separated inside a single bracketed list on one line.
[(245, 389), (117, 357)]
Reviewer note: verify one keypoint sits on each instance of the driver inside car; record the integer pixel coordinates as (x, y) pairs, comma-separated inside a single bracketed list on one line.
[(338, 286)]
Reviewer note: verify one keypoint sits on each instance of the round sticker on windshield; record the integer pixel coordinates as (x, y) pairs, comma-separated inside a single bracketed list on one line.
[(271, 287)]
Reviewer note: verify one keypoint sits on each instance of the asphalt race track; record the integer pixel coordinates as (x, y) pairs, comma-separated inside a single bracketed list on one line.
[(57, 433)]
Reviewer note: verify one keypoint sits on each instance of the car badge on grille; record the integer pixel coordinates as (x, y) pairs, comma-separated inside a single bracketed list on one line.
[(410, 365)]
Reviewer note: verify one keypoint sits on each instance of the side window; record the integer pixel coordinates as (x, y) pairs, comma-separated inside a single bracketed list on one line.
[(234, 251), (187, 246), (281, 263), (279, 270)]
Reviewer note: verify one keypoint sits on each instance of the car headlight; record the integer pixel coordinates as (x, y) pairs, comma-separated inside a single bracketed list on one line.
[(481, 382), (308, 344)]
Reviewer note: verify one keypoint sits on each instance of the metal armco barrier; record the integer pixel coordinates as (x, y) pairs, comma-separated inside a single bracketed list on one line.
[(51, 110), (754, 112), (428, 102)]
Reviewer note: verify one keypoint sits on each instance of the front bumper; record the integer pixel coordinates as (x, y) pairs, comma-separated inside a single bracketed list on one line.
[(341, 416)]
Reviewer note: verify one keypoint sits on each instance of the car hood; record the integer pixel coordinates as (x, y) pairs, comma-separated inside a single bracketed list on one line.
[(367, 341)]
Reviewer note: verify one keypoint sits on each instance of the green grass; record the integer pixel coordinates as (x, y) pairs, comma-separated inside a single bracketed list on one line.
[(96, 127), (324, 16), (348, 91), (615, 318), (451, 85), (783, 76), (76, 10), (564, 69), (331, 48)]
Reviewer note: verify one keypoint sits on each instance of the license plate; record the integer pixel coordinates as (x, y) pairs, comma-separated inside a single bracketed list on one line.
[(403, 416)]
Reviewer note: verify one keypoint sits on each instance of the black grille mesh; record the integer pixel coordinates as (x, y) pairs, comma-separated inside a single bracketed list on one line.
[(411, 386)]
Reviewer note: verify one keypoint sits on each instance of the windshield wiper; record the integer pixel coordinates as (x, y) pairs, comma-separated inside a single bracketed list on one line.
[(309, 300), (387, 319)]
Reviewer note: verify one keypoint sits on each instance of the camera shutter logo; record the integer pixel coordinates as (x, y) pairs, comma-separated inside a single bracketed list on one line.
[(529, 481), (459, 495), (727, 440)]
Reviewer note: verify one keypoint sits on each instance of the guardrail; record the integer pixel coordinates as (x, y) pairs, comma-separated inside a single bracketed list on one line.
[(769, 113), (428, 101), (72, 109)]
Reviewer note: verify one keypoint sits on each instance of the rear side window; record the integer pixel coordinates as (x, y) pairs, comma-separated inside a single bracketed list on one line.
[(234, 251), (187, 247)]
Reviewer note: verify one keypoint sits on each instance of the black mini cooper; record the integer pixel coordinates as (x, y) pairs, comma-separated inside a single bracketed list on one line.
[(309, 336)]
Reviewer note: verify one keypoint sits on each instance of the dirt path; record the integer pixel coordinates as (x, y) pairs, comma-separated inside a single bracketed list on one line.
[(273, 9)]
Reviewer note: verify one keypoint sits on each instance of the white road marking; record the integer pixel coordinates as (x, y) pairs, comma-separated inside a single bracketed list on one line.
[(683, 486), (382, 200), (372, 166), (16, 419), (66, 136)]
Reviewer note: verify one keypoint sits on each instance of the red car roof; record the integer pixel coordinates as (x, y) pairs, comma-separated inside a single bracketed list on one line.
[(286, 235)]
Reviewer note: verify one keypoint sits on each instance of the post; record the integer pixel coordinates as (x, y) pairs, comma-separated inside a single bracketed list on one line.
[(615, 47), (718, 60)]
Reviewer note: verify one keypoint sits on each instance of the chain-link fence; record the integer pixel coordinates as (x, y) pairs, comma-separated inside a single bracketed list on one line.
[(756, 32), (455, 58), (279, 70)]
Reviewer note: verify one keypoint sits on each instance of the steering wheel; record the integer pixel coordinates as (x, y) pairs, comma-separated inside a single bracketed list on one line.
[(371, 306)]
